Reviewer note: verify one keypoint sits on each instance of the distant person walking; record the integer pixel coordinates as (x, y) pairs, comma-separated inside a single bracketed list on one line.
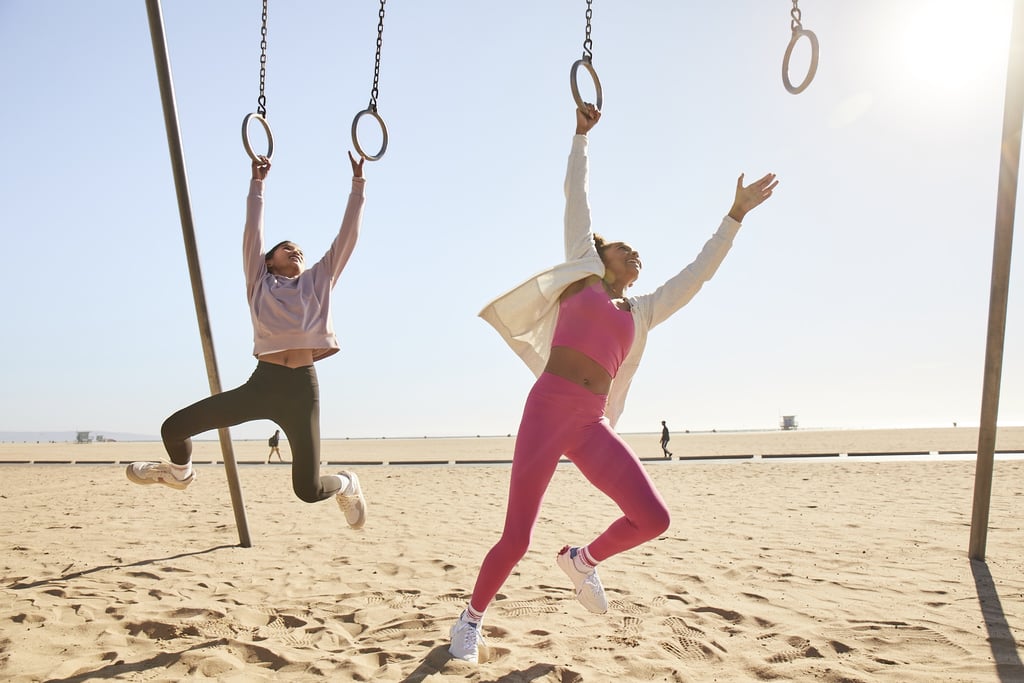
[(292, 329), (665, 440), (274, 442)]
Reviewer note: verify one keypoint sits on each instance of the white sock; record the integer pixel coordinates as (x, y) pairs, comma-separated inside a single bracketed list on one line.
[(343, 482), (579, 561), (472, 616), (182, 472)]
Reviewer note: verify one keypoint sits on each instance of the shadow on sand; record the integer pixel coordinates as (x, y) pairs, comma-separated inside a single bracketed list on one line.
[(1004, 646), (21, 585)]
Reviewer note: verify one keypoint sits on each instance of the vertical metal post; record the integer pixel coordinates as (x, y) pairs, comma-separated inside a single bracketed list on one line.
[(1006, 203), (163, 69)]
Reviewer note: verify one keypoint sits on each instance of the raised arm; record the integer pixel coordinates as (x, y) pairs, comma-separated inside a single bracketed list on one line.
[(578, 237), (682, 287), (341, 249), (252, 235)]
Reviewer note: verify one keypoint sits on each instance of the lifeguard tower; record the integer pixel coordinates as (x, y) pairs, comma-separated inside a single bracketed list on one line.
[(788, 422), (83, 437)]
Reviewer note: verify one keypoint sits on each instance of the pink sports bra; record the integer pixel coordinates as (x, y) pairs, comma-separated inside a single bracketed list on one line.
[(590, 323)]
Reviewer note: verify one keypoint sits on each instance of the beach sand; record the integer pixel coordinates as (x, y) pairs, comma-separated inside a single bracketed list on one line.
[(841, 570)]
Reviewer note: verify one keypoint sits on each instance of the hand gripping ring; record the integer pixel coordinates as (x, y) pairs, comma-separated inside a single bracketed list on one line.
[(355, 135), (585, 63), (789, 53), (245, 136)]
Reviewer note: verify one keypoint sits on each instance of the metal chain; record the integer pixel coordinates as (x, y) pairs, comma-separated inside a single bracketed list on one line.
[(794, 22), (588, 44), (261, 107), (376, 62)]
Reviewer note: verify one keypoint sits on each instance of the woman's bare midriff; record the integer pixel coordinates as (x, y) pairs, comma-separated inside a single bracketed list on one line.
[(579, 369), (291, 358)]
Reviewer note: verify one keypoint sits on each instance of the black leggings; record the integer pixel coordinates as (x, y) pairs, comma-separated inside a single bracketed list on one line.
[(288, 396)]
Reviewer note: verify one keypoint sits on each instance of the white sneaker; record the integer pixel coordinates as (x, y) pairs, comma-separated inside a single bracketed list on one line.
[(157, 473), (466, 641), (351, 501), (589, 590)]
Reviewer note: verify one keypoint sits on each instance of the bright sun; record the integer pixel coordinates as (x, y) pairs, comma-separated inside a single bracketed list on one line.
[(954, 45)]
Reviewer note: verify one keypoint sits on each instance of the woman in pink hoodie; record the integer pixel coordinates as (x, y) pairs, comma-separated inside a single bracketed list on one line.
[(292, 328)]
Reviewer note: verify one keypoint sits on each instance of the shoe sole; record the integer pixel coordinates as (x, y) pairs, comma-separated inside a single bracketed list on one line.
[(178, 485)]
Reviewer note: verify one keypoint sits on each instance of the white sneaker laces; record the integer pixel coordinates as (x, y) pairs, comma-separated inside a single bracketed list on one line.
[(471, 637), (155, 470)]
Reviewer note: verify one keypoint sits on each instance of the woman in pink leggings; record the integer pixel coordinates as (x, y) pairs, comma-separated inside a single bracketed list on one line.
[(583, 337)]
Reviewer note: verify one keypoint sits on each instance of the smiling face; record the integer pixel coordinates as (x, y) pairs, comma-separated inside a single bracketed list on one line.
[(622, 262), (286, 259)]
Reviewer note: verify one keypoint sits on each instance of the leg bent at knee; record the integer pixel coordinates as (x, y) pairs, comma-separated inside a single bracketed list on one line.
[(177, 439), (308, 493), (659, 522)]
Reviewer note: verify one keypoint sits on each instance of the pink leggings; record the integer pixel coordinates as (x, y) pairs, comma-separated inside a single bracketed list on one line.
[(563, 417)]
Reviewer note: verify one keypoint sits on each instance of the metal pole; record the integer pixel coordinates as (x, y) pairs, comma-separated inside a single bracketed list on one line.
[(163, 69), (1006, 202)]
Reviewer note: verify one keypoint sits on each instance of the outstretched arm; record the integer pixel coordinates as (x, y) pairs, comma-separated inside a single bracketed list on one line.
[(252, 236), (679, 289), (751, 196), (345, 241), (578, 238)]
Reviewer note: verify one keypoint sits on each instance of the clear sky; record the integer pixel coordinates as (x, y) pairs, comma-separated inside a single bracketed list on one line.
[(856, 297)]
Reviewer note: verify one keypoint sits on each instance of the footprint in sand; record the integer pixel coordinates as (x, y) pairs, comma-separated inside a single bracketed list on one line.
[(192, 613), (521, 608), (689, 651), (628, 607), (792, 649), (397, 599), (896, 635), (629, 632), (664, 600), (458, 598), (412, 625), (282, 626), (288, 629), (731, 616), (688, 644), (252, 617), (250, 652)]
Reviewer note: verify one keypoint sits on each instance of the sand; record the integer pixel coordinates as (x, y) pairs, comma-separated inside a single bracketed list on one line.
[(841, 569)]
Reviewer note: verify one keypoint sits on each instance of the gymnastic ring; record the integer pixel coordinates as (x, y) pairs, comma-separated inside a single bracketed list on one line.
[(789, 53), (585, 63), (245, 136), (355, 135)]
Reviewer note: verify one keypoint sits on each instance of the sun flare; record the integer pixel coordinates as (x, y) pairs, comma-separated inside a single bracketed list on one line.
[(953, 45)]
